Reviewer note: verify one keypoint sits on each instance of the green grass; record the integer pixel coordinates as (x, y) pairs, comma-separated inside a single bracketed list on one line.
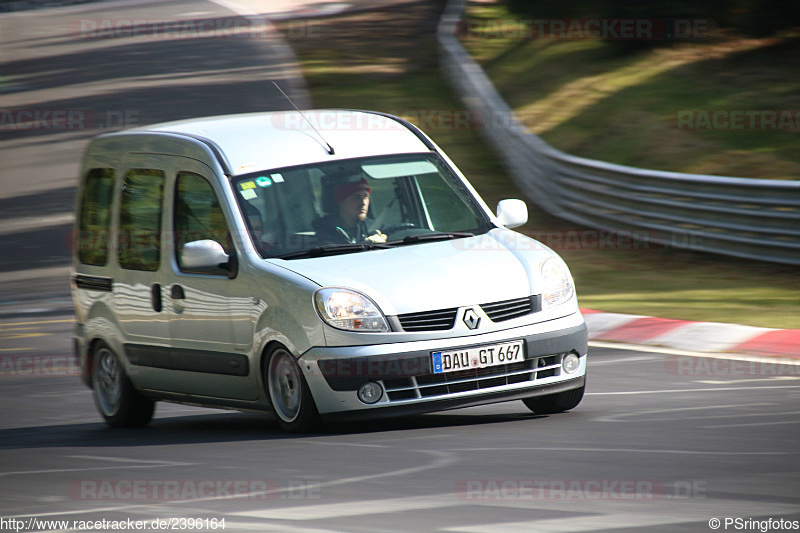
[(387, 61), (688, 286), (585, 98)]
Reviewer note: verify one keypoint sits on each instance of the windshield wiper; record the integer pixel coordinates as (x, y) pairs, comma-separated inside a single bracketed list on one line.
[(337, 249), (436, 236), (333, 249)]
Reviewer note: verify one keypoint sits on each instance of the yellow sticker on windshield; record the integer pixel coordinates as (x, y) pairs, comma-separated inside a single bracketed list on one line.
[(248, 185)]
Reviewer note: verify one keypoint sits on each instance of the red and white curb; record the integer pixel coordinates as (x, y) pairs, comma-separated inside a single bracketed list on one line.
[(702, 337)]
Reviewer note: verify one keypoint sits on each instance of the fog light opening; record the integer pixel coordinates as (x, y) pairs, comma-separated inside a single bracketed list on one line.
[(370, 392), (570, 363)]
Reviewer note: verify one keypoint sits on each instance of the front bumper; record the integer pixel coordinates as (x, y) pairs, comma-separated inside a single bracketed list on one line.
[(404, 371), (444, 404)]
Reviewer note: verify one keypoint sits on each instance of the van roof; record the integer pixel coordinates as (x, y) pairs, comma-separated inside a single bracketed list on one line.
[(259, 141)]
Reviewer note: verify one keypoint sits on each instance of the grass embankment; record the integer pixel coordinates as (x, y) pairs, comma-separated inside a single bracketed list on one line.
[(703, 107), (387, 61)]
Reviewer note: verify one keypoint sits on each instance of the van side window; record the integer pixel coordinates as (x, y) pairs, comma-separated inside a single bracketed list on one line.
[(95, 216), (139, 236), (197, 215)]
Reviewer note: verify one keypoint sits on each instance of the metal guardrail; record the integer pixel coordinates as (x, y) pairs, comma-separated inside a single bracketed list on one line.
[(740, 217)]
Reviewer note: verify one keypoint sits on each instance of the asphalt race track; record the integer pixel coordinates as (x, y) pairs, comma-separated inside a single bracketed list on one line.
[(661, 442), (649, 446)]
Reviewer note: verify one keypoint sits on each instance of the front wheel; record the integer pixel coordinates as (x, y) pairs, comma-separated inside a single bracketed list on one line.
[(120, 404), (555, 403), (289, 394)]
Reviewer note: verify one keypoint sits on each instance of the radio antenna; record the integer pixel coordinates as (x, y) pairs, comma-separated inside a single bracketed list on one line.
[(330, 148)]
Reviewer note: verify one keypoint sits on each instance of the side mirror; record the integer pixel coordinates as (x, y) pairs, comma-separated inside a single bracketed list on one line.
[(203, 254), (512, 213)]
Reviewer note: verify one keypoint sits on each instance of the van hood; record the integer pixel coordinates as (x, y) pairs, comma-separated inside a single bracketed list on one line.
[(499, 265)]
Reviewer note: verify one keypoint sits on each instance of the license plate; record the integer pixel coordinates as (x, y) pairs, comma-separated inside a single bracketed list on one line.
[(478, 357)]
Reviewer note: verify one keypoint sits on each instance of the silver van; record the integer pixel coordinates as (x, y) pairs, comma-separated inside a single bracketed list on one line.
[(330, 272)]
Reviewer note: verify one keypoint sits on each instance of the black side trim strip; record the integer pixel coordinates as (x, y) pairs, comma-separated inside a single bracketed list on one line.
[(93, 283), (146, 355), (228, 364)]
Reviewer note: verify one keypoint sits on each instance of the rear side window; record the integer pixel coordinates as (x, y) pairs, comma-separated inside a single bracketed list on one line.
[(139, 237), (198, 215), (95, 216)]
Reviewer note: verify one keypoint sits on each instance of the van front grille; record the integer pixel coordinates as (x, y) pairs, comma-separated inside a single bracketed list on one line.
[(429, 320), (444, 319), (508, 309)]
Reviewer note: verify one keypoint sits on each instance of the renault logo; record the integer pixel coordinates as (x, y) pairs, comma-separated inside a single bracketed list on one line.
[(471, 319)]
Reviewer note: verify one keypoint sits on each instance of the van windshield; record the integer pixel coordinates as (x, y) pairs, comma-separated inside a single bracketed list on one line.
[(356, 205)]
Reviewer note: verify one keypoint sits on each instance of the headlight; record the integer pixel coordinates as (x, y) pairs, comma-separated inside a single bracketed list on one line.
[(557, 283), (349, 310)]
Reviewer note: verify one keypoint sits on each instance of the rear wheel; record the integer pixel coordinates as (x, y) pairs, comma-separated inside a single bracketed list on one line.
[(289, 393), (120, 404), (555, 403)]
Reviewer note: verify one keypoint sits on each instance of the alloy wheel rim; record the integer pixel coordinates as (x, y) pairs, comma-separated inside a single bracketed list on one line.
[(285, 386), (108, 382)]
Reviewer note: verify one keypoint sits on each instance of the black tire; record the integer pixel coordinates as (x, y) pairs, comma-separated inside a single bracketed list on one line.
[(288, 393), (555, 403), (120, 404)]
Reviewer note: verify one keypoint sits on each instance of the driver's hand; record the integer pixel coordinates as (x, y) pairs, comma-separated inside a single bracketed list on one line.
[(376, 237)]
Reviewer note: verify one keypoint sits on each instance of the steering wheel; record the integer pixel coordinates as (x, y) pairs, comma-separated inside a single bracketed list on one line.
[(397, 227)]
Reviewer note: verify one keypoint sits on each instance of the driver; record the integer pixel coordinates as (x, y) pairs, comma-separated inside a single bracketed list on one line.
[(262, 238), (347, 224)]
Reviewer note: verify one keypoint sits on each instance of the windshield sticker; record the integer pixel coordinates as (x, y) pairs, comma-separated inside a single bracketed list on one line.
[(277, 178), (248, 185), (263, 181), (248, 194)]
